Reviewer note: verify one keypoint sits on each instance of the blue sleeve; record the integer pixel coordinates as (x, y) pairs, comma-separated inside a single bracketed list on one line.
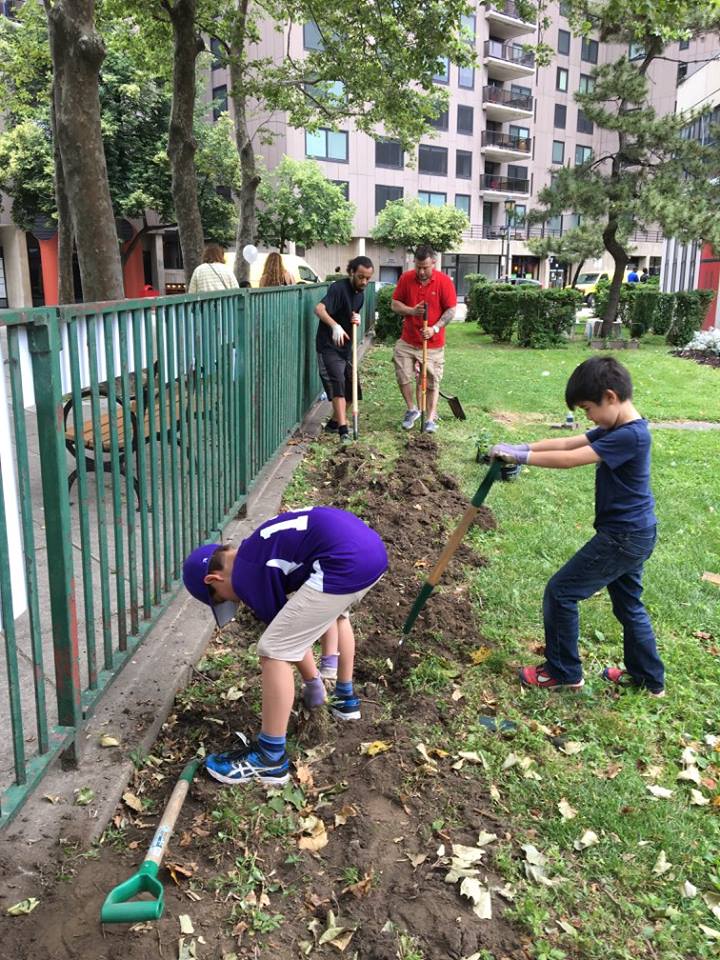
[(595, 434), (616, 447)]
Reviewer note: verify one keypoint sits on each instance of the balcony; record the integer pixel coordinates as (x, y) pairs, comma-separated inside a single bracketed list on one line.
[(490, 183), (491, 231), (504, 20), (507, 61), (502, 146), (505, 105)]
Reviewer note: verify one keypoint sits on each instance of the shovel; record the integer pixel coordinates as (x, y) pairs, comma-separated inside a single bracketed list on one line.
[(493, 473), (119, 906), (455, 406), (355, 410), (423, 372)]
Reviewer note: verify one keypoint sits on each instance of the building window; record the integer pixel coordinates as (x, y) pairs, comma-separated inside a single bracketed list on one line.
[(636, 51), (564, 8), (584, 124), (561, 80), (587, 83), (682, 69), (443, 74), (582, 154), (589, 50), (220, 101), (517, 173), (558, 151), (389, 153), (385, 195), (344, 186), (463, 164), (462, 202), (430, 199), (519, 133), (560, 116), (684, 44), (466, 77), (326, 145), (563, 44), (441, 122), (311, 37), (433, 160), (216, 49), (467, 21), (519, 214), (517, 91), (464, 119)]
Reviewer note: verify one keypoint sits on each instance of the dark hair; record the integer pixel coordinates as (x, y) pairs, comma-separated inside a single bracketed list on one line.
[(589, 381), (424, 252), (213, 253), (216, 563), (360, 262), (244, 283)]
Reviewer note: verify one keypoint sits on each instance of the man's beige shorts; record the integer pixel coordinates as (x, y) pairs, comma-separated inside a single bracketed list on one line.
[(405, 356), (303, 620)]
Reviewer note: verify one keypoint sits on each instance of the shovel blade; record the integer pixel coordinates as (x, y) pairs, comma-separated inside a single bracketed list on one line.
[(120, 905)]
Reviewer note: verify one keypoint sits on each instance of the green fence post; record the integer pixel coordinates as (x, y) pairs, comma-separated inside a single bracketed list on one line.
[(44, 340)]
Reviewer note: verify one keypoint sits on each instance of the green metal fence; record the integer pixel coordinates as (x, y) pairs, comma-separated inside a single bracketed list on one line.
[(132, 432)]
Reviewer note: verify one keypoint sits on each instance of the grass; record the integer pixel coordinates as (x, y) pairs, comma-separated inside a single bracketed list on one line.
[(610, 902)]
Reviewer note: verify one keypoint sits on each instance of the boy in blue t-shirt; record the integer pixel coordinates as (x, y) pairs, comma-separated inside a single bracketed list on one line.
[(299, 572), (625, 526)]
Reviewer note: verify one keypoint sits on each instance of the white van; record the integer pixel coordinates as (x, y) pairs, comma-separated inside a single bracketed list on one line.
[(297, 267)]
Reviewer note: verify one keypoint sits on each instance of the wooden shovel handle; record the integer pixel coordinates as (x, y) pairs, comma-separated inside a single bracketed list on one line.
[(451, 546)]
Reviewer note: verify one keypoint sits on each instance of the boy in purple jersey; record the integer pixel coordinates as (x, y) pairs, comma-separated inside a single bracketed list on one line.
[(299, 572), (625, 526)]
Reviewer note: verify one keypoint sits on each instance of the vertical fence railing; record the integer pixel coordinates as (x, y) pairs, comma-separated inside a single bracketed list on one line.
[(134, 431)]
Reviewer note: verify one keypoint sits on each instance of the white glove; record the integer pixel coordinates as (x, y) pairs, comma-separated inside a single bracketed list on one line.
[(339, 336)]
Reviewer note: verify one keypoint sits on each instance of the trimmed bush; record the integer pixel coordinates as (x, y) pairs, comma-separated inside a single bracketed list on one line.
[(641, 306), (388, 324), (690, 309), (546, 317), (497, 306), (663, 315), (473, 280)]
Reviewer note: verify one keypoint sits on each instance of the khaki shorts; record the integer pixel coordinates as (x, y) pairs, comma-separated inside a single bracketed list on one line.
[(405, 356), (303, 620)]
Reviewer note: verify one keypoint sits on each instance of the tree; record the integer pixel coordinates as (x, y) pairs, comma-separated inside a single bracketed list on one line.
[(648, 173), (298, 203), (581, 243), (408, 223)]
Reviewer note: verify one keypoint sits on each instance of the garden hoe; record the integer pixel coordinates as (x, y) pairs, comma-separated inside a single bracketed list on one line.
[(446, 556), (119, 906), (423, 372)]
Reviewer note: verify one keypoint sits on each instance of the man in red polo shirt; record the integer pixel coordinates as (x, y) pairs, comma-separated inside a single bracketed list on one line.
[(415, 288)]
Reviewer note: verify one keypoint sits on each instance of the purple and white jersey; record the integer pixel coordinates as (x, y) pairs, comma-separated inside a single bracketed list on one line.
[(331, 550)]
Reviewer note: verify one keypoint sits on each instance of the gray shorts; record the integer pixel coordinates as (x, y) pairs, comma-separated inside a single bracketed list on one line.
[(303, 620)]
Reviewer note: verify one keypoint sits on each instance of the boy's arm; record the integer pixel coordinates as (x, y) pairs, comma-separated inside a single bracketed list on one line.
[(560, 458), (561, 443)]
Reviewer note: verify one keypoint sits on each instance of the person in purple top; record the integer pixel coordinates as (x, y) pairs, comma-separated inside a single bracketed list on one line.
[(299, 572), (625, 531)]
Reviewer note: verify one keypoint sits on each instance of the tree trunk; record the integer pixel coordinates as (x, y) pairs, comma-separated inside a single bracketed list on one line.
[(617, 252), (77, 53), (577, 272), (249, 176), (66, 279), (187, 44)]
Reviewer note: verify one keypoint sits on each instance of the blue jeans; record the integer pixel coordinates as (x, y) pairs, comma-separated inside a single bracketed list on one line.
[(612, 560)]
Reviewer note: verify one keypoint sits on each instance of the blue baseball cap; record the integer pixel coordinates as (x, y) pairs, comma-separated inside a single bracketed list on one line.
[(195, 569)]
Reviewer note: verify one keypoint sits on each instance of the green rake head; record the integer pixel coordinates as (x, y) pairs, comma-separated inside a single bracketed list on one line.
[(120, 905)]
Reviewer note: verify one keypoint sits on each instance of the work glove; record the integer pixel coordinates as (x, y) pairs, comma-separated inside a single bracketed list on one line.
[(511, 453), (339, 336)]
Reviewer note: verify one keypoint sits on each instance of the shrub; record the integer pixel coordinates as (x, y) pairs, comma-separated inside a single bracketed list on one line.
[(388, 324), (332, 277), (602, 293), (641, 306), (663, 315), (497, 308), (690, 310), (473, 280), (546, 316), (705, 341)]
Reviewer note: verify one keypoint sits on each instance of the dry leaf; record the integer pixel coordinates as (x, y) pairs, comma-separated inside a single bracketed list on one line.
[(345, 813), (697, 799), (422, 750), (361, 888), (232, 694), (417, 859), (566, 811), (688, 890), (611, 771), (485, 838), (467, 854), (662, 793), (472, 757), (510, 760), (533, 855), (571, 747), (182, 870), (494, 793), (703, 635), (24, 907), (186, 926), (457, 694), (688, 757), (108, 741), (709, 932), (130, 800), (304, 775), (480, 896), (374, 748), (52, 799), (588, 839), (661, 864), (690, 773), (480, 655), (314, 836)]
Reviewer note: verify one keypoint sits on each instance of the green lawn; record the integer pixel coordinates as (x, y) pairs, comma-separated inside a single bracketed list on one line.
[(613, 900)]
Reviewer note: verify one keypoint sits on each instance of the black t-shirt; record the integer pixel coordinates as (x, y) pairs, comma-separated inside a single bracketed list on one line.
[(341, 301)]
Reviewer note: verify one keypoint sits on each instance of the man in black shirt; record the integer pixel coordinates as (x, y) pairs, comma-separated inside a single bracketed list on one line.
[(338, 310)]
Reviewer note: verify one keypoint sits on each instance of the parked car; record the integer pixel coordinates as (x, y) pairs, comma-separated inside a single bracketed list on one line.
[(297, 267), (519, 281), (587, 283)]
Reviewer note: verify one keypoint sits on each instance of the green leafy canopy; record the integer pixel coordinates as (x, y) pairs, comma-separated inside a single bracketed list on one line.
[(407, 223)]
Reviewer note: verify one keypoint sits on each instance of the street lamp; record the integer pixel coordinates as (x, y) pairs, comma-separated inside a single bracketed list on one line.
[(509, 219)]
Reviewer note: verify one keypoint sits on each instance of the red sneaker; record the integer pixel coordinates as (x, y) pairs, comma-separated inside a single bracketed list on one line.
[(621, 678), (539, 677)]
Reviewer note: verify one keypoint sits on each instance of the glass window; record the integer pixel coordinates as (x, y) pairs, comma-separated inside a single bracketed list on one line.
[(684, 44), (220, 101), (519, 214), (554, 226), (463, 164), (466, 77), (432, 159), (561, 80), (682, 69), (384, 195), (636, 51), (564, 8), (587, 83), (517, 173), (389, 153), (326, 144), (431, 199), (462, 202), (467, 21), (441, 122), (563, 44), (518, 91), (584, 124), (520, 133), (558, 151), (464, 119), (311, 37), (589, 50), (443, 74), (344, 186), (582, 154), (217, 50), (560, 116)]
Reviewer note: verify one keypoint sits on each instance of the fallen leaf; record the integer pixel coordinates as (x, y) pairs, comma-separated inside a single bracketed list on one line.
[(467, 854), (485, 838), (510, 761), (480, 896), (130, 800), (108, 741), (84, 796), (472, 757), (709, 932), (24, 907), (703, 635), (186, 949), (52, 799), (304, 775), (314, 835), (345, 813), (571, 747), (662, 793), (688, 890), (697, 799), (661, 864), (588, 839), (480, 655), (186, 925), (690, 773), (232, 694), (457, 694), (533, 855), (494, 793), (417, 859), (182, 870), (507, 892), (361, 888), (611, 771), (566, 811), (375, 747), (537, 874), (422, 750), (688, 757)]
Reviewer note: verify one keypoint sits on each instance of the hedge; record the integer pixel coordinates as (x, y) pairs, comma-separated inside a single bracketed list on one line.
[(690, 309), (643, 307), (388, 324), (538, 318)]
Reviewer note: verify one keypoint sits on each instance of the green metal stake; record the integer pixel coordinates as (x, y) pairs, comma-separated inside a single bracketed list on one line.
[(119, 906), (493, 473)]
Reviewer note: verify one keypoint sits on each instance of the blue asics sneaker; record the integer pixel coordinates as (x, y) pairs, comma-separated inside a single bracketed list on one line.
[(248, 764), (345, 708)]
